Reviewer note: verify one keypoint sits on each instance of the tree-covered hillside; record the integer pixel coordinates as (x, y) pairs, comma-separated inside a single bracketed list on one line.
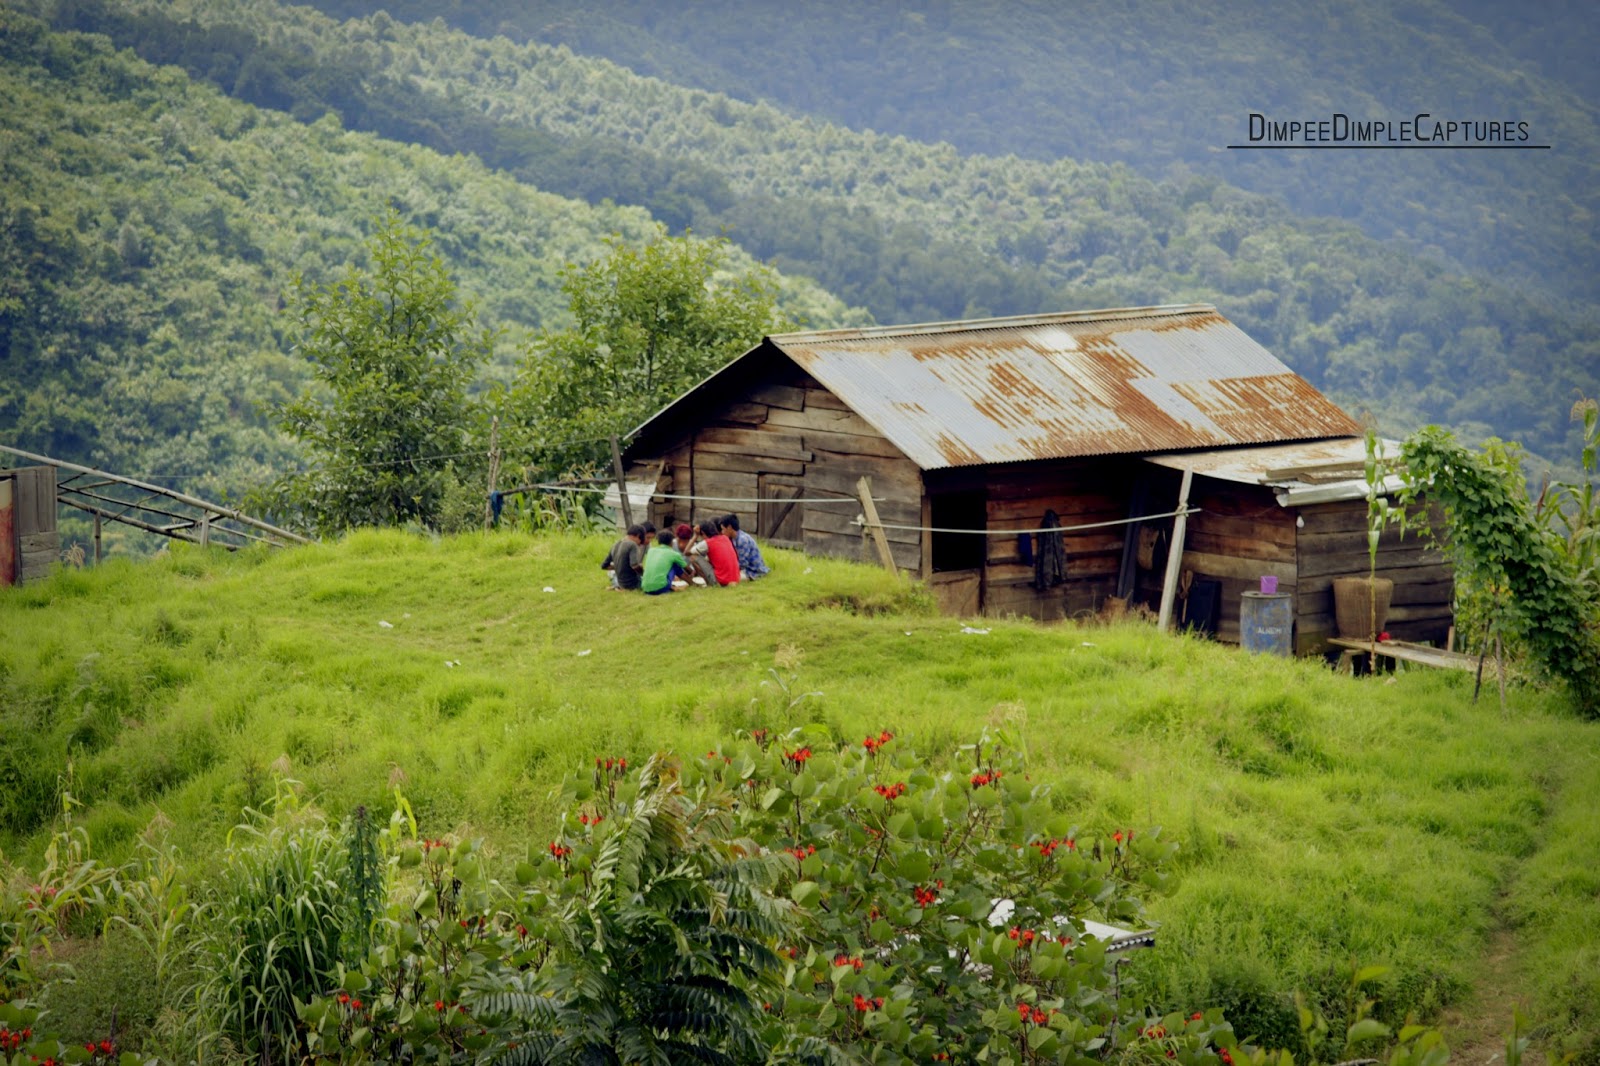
[(917, 232), (1159, 87), (149, 227)]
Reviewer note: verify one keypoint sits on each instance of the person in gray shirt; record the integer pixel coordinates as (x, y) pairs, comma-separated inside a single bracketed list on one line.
[(626, 560)]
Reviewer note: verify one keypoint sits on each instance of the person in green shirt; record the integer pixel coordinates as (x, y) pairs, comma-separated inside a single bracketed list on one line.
[(663, 564)]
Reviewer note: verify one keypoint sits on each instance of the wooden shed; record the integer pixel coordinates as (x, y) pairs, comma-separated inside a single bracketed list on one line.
[(972, 433), (29, 543)]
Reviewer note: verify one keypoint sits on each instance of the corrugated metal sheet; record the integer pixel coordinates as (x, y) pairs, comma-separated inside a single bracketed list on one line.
[(1055, 386), (1302, 472)]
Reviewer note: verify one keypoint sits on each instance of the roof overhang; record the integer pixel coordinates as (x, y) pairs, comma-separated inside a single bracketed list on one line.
[(1298, 472)]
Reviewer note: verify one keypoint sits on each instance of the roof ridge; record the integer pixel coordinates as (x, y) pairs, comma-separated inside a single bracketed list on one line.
[(1111, 314)]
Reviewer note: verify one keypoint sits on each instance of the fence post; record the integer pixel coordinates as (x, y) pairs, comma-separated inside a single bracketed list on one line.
[(494, 471)]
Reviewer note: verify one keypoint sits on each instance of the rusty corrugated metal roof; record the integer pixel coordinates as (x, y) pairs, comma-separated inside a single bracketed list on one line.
[(1055, 386)]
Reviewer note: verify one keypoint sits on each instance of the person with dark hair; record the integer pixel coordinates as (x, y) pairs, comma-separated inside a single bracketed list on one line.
[(744, 546), (720, 557), (663, 565), (626, 560)]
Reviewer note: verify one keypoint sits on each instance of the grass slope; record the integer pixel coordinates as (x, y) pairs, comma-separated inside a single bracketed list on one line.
[(1323, 820)]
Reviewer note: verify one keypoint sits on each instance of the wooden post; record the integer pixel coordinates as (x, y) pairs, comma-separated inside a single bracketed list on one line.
[(1500, 668), (205, 529), (494, 471), (1180, 524), (874, 527), (622, 484), (97, 540)]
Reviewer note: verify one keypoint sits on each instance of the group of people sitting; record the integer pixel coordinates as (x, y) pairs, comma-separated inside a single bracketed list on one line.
[(717, 552)]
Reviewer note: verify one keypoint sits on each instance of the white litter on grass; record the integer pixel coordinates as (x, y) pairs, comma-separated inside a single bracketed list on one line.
[(908, 632), (1088, 644), (584, 652), (744, 653), (447, 662), (807, 570), (385, 625), (547, 588), (969, 629)]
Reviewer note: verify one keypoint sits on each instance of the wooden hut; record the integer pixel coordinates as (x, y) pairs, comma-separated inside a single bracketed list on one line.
[(972, 433)]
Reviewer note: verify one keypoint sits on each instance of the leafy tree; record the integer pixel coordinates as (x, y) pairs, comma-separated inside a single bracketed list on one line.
[(1539, 582), (651, 322), (394, 354)]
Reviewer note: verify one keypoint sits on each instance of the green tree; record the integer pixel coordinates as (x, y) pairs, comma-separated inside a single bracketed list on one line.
[(393, 352), (651, 322)]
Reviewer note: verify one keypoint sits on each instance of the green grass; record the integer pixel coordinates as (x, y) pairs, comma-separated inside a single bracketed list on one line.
[(1323, 819)]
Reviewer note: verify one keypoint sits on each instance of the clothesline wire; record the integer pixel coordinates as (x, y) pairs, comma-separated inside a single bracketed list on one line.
[(712, 499), (860, 521)]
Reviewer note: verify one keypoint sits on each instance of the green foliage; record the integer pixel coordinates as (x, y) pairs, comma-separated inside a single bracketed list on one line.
[(394, 355), (270, 931), (1545, 597), (650, 322), (144, 253), (900, 870)]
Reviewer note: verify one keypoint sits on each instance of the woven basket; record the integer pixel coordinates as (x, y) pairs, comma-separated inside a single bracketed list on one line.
[(1361, 605)]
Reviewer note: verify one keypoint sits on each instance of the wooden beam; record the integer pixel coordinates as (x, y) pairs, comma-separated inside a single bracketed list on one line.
[(1169, 587), (874, 527)]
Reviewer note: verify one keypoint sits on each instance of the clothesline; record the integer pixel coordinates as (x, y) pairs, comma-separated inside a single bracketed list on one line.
[(861, 521), (714, 499)]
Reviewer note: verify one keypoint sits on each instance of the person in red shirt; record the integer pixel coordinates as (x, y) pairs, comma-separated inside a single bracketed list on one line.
[(719, 549)]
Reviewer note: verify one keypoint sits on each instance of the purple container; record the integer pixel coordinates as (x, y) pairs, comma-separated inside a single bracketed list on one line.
[(1269, 584)]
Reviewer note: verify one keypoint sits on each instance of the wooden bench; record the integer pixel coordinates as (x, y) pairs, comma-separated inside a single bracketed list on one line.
[(1405, 651)]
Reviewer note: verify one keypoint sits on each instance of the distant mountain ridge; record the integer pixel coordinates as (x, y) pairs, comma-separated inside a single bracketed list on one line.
[(918, 232), (1160, 87), (149, 227)]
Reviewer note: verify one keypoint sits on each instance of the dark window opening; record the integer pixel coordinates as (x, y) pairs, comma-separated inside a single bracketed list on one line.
[(959, 551)]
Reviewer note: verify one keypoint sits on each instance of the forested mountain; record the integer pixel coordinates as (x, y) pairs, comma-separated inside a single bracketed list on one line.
[(149, 227), (915, 231), (1158, 87)]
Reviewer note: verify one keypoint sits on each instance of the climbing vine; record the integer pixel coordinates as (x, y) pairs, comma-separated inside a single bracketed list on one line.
[(1548, 600)]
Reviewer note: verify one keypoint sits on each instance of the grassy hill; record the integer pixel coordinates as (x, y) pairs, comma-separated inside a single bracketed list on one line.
[(1322, 819)]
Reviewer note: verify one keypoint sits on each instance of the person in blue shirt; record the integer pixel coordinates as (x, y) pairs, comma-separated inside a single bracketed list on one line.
[(744, 546)]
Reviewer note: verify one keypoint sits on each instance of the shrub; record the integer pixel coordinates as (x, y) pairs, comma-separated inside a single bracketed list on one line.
[(269, 930)]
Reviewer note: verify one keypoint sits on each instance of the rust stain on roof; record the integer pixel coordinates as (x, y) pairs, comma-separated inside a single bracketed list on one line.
[(1055, 386), (1130, 380)]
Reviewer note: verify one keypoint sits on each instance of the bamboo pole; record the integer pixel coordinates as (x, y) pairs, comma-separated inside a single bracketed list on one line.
[(158, 490), (622, 485)]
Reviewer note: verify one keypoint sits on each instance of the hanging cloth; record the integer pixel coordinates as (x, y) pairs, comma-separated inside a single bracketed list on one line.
[(1025, 548), (1050, 562)]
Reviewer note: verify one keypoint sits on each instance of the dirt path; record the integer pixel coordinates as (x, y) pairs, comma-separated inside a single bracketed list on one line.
[(1476, 1029)]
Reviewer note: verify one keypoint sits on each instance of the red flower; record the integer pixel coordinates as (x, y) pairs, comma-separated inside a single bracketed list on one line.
[(438, 1004), (1196, 1016), (1117, 836)]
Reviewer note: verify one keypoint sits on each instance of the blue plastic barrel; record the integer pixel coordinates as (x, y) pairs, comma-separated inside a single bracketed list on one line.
[(1266, 623)]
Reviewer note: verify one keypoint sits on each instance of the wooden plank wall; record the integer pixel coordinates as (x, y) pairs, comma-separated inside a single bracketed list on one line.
[(8, 530), (34, 518), (790, 436), (1333, 543), (1080, 492), (1240, 535)]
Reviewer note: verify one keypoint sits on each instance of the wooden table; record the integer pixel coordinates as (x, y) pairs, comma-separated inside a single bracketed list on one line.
[(1405, 651)]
